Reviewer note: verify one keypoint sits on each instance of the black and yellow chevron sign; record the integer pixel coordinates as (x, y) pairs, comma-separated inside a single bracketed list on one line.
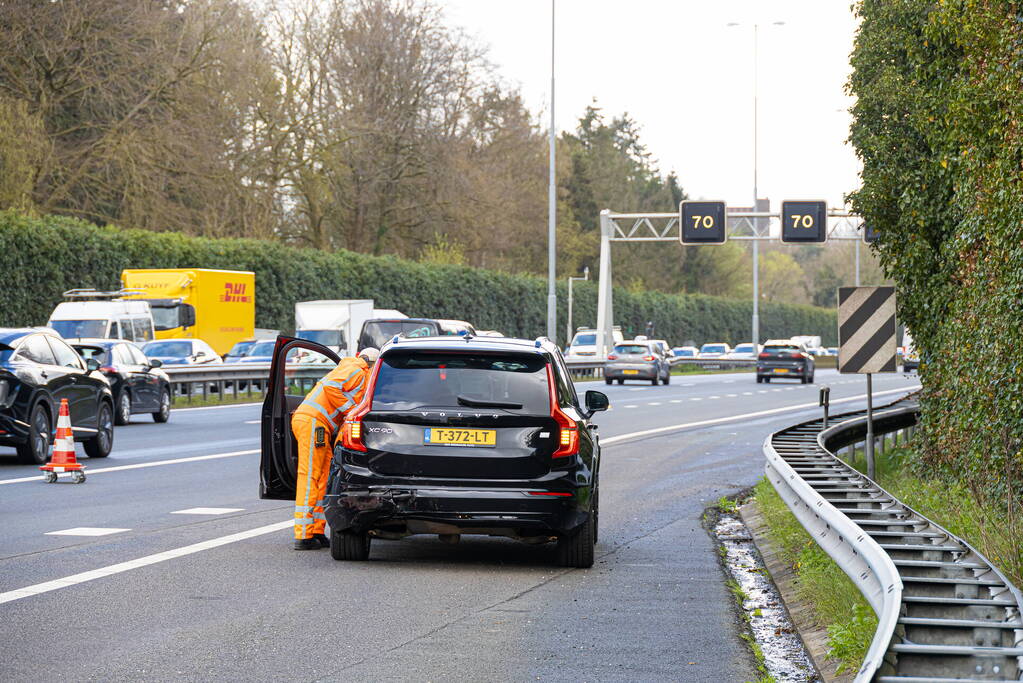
[(866, 329)]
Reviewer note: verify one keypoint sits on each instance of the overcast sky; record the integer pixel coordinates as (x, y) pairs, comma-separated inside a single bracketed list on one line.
[(687, 79)]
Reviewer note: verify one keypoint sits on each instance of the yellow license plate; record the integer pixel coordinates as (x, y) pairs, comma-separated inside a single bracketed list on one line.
[(630, 372), (781, 369), (445, 436)]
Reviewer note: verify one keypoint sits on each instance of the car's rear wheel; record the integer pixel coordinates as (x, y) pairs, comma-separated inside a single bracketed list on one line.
[(163, 414), (349, 546), (760, 380), (655, 381), (810, 380), (621, 381), (123, 414), (100, 445), (608, 380), (36, 449), (667, 378), (576, 550)]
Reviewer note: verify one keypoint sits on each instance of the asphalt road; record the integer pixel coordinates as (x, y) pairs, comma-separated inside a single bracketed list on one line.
[(221, 594)]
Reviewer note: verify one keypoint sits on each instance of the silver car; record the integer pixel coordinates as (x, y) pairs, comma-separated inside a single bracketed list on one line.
[(637, 360)]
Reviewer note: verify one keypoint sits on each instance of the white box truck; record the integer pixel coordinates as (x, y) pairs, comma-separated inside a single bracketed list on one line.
[(335, 323)]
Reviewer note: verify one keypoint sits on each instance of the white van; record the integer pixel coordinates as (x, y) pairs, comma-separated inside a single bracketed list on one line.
[(109, 319), (584, 343)]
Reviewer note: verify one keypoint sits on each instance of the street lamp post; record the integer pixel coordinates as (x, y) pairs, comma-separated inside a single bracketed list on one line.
[(586, 276), (755, 222), (552, 252)]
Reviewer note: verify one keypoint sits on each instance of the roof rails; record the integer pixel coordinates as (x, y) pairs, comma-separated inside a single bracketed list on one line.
[(90, 294)]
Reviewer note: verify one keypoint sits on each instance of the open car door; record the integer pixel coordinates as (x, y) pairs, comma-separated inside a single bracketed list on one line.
[(296, 366)]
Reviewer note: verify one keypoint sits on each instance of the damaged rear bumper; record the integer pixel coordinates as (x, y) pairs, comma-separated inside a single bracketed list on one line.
[(396, 509)]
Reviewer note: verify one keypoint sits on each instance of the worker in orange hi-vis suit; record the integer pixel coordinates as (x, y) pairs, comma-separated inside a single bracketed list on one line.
[(315, 425)]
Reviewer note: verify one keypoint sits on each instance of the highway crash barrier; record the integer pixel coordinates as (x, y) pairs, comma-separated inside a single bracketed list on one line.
[(250, 378), (944, 611)]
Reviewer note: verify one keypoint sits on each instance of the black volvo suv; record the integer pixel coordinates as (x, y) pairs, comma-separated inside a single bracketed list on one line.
[(456, 435)]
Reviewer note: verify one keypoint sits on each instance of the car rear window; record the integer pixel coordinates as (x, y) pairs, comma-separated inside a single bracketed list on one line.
[(776, 349), (584, 340), (376, 334), (263, 348), (631, 349), (173, 349), (414, 380), (97, 352)]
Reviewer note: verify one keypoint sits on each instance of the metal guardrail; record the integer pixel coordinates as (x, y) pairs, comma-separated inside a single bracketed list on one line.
[(945, 613), (235, 378)]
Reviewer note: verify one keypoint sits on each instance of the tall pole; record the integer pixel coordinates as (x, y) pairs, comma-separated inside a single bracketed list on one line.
[(756, 221), (857, 262), (552, 252)]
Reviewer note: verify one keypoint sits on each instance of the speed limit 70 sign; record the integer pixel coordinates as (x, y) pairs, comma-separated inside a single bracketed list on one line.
[(804, 221), (702, 222)]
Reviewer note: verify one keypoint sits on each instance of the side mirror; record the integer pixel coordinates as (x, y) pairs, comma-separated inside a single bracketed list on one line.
[(596, 401), (91, 364), (187, 315), (155, 363)]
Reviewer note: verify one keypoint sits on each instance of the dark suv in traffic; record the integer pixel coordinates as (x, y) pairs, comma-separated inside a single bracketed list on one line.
[(784, 359), (37, 370), (467, 435)]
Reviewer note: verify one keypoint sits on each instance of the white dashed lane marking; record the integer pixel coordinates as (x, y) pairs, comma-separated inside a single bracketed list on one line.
[(102, 572), (87, 531), (676, 400), (654, 403), (206, 511), (632, 406)]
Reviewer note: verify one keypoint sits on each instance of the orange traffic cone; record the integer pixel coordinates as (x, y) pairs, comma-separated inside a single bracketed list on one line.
[(63, 458)]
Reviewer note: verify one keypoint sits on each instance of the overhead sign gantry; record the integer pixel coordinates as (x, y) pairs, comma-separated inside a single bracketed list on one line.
[(708, 222)]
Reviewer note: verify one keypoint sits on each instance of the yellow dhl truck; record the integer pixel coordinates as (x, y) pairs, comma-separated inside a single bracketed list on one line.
[(217, 306)]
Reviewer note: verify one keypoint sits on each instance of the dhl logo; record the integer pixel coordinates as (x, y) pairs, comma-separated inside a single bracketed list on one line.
[(235, 291)]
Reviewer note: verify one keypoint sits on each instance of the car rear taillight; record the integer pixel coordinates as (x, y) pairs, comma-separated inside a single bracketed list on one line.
[(568, 433), (764, 355), (611, 356), (648, 358), (351, 428), (796, 355), (109, 369)]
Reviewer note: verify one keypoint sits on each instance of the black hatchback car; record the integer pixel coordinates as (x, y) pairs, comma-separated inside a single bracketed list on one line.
[(468, 435), (138, 385), (37, 370)]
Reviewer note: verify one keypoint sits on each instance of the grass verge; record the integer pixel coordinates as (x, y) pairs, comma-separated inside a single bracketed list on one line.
[(837, 604), (993, 529), (215, 400)]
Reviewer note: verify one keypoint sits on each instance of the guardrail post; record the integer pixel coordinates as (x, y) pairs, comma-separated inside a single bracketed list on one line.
[(825, 401), (871, 468)]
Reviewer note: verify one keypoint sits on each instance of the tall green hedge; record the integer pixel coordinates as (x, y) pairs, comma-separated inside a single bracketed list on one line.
[(938, 124), (40, 258)]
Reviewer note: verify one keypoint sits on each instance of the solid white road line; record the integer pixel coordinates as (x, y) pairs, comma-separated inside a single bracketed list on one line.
[(206, 511), (156, 463), (746, 416), (120, 567), (86, 531)]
